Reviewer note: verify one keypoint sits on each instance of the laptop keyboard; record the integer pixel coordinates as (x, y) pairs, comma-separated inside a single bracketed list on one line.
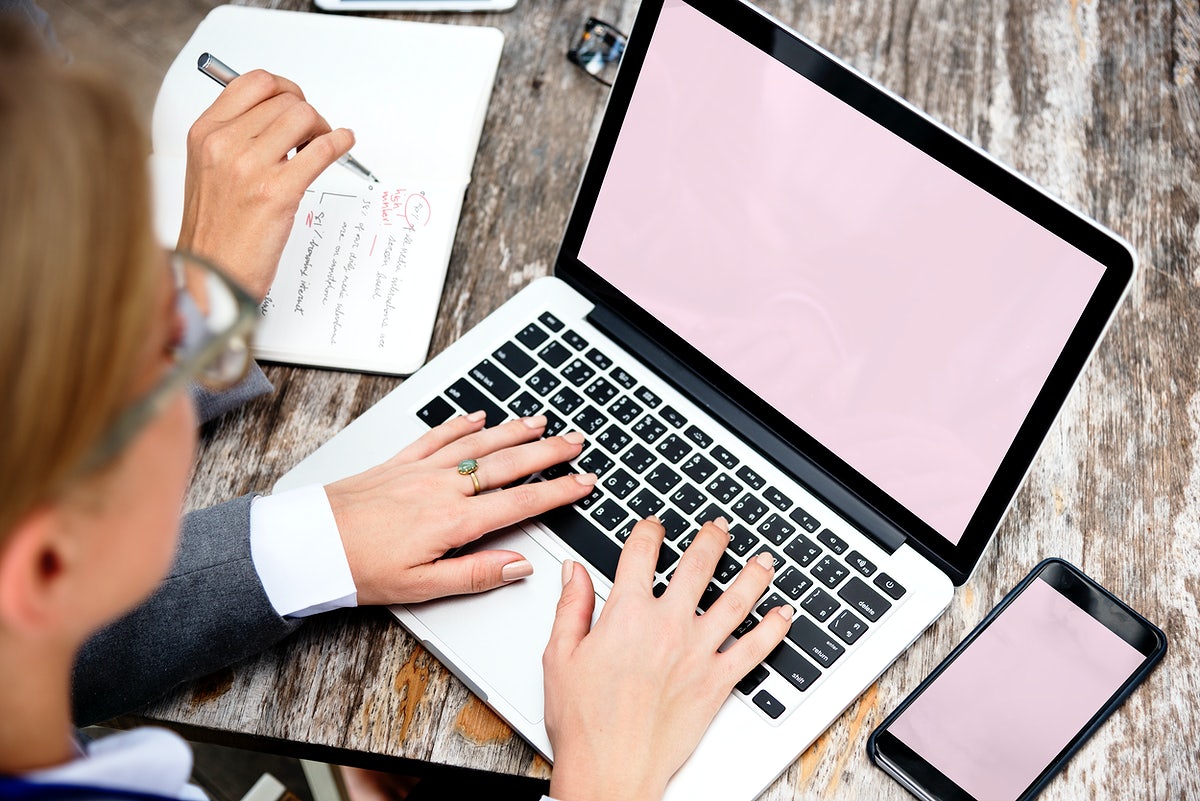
[(651, 459)]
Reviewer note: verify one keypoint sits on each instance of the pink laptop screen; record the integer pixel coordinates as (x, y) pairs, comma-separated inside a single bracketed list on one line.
[(1005, 708), (891, 309)]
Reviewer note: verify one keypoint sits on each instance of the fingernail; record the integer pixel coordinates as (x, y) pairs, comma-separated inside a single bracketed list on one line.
[(568, 571), (586, 479), (654, 519), (766, 560), (516, 570), (573, 437), (475, 417), (537, 421), (785, 611), (721, 523)]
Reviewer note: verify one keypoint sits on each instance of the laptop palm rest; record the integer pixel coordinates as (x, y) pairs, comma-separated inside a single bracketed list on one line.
[(501, 634)]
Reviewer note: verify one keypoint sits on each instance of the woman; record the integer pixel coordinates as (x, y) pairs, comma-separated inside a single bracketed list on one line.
[(99, 334)]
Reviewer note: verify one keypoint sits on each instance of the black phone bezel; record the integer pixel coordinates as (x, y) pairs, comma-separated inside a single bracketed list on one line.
[(924, 781)]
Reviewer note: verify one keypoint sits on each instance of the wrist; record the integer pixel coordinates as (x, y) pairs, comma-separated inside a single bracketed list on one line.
[(591, 781)]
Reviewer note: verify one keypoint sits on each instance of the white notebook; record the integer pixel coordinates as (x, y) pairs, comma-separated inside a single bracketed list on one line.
[(361, 277)]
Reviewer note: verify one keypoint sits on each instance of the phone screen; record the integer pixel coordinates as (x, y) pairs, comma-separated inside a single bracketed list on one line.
[(1005, 708)]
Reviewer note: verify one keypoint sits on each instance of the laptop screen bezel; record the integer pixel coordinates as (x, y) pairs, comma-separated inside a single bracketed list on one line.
[(956, 560)]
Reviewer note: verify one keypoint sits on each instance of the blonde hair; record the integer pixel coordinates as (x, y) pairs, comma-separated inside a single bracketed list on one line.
[(79, 268)]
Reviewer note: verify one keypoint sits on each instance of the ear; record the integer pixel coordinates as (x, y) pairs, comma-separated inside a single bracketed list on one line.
[(32, 567)]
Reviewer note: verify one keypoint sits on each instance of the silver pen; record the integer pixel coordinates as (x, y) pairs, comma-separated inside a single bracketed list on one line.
[(220, 72)]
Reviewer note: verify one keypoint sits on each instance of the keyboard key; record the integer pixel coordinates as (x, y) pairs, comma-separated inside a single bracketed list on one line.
[(777, 499), (711, 593), (772, 601), (609, 513), (820, 604), (778, 559), (550, 321), (622, 534), (697, 436), (673, 523), (723, 488), (525, 405), (663, 478), (863, 599), (861, 563), (724, 457), (711, 512), (686, 542), (688, 498), (768, 703), (649, 429), (623, 378), (830, 572), (577, 372), (835, 543), (566, 400), (589, 420), (806, 521), (749, 509), (470, 399), (532, 336), (601, 391), (554, 354), (659, 589), (727, 569), (516, 360), (672, 416), (741, 540), (752, 679), (599, 359), (574, 340), (543, 382), (793, 667), (674, 448), (698, 469), (803, 550), (645, 503), (592, 545), (812, 640), (666, 558), (888, 584), (613, 439), (591, 499), (436, 412), (777, 530), (557, 471), (620, 483), (754, 480), (848, 627), (625, 410), (793, 582), (595, 462), (647, 397), (744, 627), (555, 425)]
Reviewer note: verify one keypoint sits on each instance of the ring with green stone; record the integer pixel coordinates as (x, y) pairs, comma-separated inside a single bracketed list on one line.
[(467, 467)]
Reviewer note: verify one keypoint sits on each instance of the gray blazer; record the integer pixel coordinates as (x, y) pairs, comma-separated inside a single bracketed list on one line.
[(210, 612)]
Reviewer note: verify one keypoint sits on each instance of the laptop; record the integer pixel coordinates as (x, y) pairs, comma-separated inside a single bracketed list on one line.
[(784, 296)]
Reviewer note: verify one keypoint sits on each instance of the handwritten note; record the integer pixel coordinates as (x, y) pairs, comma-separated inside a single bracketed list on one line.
[(357, 273)]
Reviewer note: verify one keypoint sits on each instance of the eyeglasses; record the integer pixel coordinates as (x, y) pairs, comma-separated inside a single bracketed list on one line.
[(598, 51), (216, 318)]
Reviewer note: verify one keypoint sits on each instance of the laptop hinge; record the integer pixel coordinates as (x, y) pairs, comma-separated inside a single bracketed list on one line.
[(877, 527)]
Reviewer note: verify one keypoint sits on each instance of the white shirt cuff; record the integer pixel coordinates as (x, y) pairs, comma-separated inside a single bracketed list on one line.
[(298, 553)]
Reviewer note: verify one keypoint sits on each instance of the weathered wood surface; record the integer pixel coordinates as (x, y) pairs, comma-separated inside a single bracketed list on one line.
[(1095, 100)]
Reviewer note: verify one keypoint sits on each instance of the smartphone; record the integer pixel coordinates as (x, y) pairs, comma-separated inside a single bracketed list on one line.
[(1009, 706), (415, 5)]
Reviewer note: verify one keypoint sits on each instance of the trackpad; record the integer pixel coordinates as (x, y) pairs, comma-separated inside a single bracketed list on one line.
[(500, 635)]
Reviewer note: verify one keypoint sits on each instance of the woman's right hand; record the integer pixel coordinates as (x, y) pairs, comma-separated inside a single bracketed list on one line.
[(628, 700), (242, 191)]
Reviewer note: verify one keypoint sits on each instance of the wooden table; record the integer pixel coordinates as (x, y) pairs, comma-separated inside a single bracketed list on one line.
[(1098, 102)]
